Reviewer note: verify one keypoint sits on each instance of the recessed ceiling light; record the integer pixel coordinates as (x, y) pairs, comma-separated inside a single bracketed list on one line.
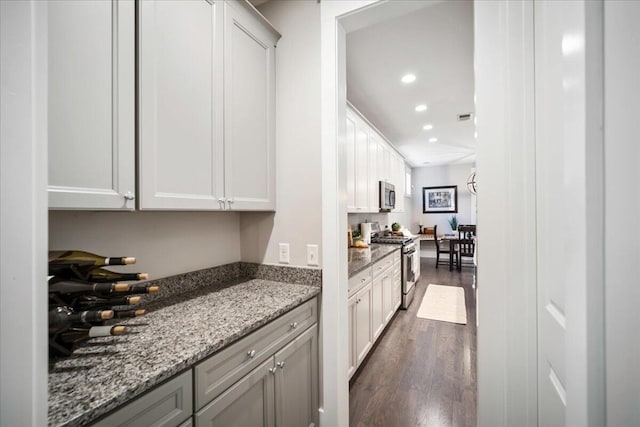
[(433, 139), (408, 78), (427, 127), (420, 108)]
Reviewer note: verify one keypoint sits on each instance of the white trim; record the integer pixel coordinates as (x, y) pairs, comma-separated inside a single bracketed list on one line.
[(23, 218), (507, 341)]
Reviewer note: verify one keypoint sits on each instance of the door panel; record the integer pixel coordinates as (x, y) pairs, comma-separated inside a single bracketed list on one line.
[(180, 115), (297, 381), (568, 125)]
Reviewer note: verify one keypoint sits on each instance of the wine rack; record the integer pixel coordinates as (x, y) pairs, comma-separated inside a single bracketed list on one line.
[(84, 297)]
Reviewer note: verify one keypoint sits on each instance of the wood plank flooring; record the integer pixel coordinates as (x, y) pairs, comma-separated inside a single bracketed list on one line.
[(422, 372)]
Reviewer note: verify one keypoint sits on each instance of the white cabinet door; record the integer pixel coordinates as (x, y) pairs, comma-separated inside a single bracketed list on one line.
[(350, 149), (388, 297), (374, 187), (91, 104), (249, 111), (180, 104), (396, 293), (362, 173), (377, 307), (296, 381), (383, 161), (364, 335), (353, 362)]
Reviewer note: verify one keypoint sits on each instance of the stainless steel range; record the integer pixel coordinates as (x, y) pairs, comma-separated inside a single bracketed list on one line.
[(410, 257)]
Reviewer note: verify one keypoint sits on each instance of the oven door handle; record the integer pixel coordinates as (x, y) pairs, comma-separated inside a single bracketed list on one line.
[(409, 251)]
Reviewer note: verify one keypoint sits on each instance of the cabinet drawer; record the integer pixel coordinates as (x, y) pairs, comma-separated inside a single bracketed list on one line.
[(166, 406), (217, 373), (380, 266), (359, 280)]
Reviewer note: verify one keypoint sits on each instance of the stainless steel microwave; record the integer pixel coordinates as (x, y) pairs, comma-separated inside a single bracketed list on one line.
[(387, 196)]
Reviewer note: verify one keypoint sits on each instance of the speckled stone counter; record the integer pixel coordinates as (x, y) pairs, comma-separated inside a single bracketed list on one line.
[(359, 259), (109, 372)]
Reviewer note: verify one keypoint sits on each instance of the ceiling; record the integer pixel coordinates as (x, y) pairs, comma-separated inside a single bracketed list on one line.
[(435, 44)]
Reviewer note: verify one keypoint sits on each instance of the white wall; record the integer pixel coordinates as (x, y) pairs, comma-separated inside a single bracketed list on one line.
[(432, 176), (622, 210), (298, 216), (164, 243)]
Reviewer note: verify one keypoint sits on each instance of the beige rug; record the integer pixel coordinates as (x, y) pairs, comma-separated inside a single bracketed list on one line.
[(444, 303)]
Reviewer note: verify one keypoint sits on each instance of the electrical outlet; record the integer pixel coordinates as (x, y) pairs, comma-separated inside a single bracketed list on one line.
[(312, 254), (284, 253)]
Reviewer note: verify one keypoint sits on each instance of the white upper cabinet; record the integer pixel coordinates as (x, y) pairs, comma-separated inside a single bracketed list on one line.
[(180, 105), (370, 159), (249, 109), (206, 106), (91, 104), (350, 151)]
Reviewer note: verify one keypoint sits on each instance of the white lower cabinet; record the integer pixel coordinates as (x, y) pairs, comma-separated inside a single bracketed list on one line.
[(377, 307), (250, 402), (282, 391), (374, 297), (363, 330)]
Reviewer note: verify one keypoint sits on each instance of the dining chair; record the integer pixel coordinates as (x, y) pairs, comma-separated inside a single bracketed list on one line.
[(466, 244), (448, 249)]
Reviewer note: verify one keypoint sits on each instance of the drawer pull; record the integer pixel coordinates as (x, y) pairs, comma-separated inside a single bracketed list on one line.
[(293, 325), (251, 354), (364, 279), (280, 365), (273, 370)]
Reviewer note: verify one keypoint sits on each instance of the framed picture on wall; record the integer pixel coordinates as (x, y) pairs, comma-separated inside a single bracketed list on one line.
[(440, 199)]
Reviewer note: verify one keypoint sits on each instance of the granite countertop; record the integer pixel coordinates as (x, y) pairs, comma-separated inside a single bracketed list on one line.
[(108, 372), (359, 259)]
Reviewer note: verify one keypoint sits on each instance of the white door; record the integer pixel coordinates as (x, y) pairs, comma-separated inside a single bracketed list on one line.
[(568, 95)]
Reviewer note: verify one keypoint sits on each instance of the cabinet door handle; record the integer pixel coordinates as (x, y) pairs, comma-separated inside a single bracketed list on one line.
[(273, 370), (129, 196), (230, 201), (251, 354), (364, 279), (293, 325), (221, 201), (280, 365)]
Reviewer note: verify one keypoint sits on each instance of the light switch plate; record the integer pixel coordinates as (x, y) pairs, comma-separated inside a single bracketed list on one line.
[(284, 253), (312, 254)]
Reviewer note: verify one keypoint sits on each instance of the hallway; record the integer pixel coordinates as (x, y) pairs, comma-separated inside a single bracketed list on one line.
[(422, 372)]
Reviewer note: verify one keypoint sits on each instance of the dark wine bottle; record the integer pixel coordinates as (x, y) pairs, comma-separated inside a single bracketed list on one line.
[(142, 289), (62, 317), (100, 275), (70, 287), (75, 335), (89, 302), (59, 261), (124, 314)]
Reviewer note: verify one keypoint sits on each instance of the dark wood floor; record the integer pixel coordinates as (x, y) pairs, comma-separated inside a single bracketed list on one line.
[(422, 372)]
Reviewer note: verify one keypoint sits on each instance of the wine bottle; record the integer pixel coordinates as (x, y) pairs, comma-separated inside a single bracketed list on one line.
[(85, 302), (61, 317), (100, 275), (142, 289), (123, 314), (70, 287), (64, 260), (75, 335)]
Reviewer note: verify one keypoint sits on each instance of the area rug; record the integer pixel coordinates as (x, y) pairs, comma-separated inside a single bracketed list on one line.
[(445, 303)]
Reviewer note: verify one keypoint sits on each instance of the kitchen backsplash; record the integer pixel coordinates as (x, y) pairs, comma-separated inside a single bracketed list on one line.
[(226, 275), (355, 219)]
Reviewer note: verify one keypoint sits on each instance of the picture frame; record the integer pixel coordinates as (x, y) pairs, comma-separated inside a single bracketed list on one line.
[(441, 199)]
